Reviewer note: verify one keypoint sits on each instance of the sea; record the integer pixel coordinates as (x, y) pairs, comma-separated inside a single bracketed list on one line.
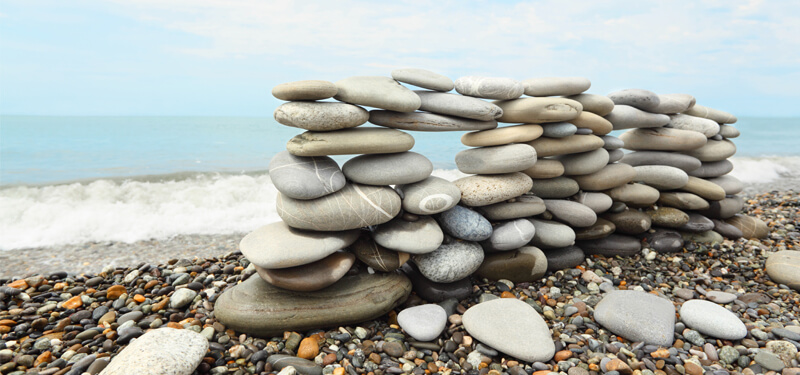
[(67, 180)]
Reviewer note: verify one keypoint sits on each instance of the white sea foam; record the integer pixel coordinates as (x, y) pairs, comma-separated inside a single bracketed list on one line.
[(128, 211)]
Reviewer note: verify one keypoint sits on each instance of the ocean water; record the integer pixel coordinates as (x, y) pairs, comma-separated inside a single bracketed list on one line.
[(79, 179)]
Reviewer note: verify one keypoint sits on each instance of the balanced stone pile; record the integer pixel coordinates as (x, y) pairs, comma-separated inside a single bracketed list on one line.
[(542, 193)]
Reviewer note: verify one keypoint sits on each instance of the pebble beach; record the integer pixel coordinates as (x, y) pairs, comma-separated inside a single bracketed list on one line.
[(69, 314)]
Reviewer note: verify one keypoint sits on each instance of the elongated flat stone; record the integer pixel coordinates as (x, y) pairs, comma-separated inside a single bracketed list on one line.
[(310, 277), (721, 117), (305, 90), (682, 201), (711, 169), (567, 145), (355, 206), (414, 237), (489, 87), (611, 176), (320, 116), (661, 177), (709, 128), (551, 234), (527, 264), (523, 206), (704, 189), (600, 105), (627, 117), (674, 103), (502, 136), (642, 99), (589, 120), (350, 141), (423, 78), (388, 169), (496, 159), (545, 169), (509, 235), (538, 110), (477, 191), (277, 245), (584, 162), (684, 162), (663, 139), (574, 214), (611, 246), (634, 195), (784, 267), (555, 188), (458, 105), (305, 177), (160, 351), (427, 122), (377, 92), (713, 151), (556, 86), (260, 309)]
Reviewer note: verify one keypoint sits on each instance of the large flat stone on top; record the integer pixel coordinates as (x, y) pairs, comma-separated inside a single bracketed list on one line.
[(458, 105), (305, 177), (627, 117), (477, 191), (320, 116), (388, 169), (496, 159), (277, 245), (305, 90), (784, 267), (674, 103), (556, 86), (637, 316), (355, 206), (350, 141), (377, 92), (512, 327), (423, 78), (260, 309), (538, 110), (712, 319), (489, 87), (721, 117), (642, 99), (662, 139), (427, 122), (159, 352)]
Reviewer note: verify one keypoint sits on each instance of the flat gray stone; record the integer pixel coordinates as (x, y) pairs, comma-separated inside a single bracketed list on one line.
[(163, 351), (563, 258), (320, 116), (556, 86), (568, 145), (615, 156), (713, 151), (720, 297), (489, 87), (496, 159), (388, 169), (709, 128), (573, 213), (697, 224), (355, 206), (423, 322), (600, 105), (661, 177), (611, 246), (642, 99), (260, 309), (427, 122), (673, 103), (181, 298), (597, 202), (712, 319), (450, 262), (627, 117), (512, 327), (730, 184), (502, 136), (611, 176), (310, 277), (611, 142), (728, 131), (377, 92), (663, 139), (413, 237), (721, 117), (629, 221), (584, 163), (769, 360), (634, 195), (350, 141), (509, 235), (555, 188), (300, 365), (711, 169), (305, 177), (464, 223), (523, 265), (423, 78), (724, 209), (551, 234), (558, 129), (683, 162), (523, 206), (637, 316), (277, 245), (458, 105), (305, 90), (538, 110), (430, 196)]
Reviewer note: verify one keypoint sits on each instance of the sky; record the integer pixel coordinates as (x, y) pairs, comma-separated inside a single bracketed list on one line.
[(222, 57)]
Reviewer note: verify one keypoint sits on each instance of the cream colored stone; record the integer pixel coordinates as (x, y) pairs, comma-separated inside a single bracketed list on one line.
[(502, 136)]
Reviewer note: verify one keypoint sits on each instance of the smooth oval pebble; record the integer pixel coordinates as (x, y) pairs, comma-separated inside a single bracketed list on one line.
[(708, 127), (721, 117), (450, 262), (489, 87), (598, 104), (600, 229), (305, 177), (558, 129), (277, 245), (522, 206), (388, 169), (751, 227), (637, 316), (552, 86), (712, 319), (634, 194), (567, 145), (413, 237), (611, 142), (611, 176), (683, 162), (711, 169), (551, 234), (496, 159), (350, 141), (423, 78), (464, 223), (627, 117), (674, 103), (429, 122), (423, 322), (377, 92), (538, 110), (682, 201), (629, 221), (784, 267), (430, 196), (481, 190), (563, 258), (558, 187), (527, 264), (661, 177), (320, 116), (305, 90), (662, 139), (597, 124), (704, 189), (730, 184), (509, 235), (642, 99), (545, 169), (310, 277), (574, 214), (713, 151), (584, 162), (697, 224), (597, 202), (668, 217), (355, 206), (724, 209), (458, 105), (728, 131), (502, 136)]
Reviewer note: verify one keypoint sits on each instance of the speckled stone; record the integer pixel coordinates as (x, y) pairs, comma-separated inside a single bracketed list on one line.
[(320, 116), (629, 221), (163, 351), (637, 316), (477, 191), (642, 99), (464, 223), (527, 339), (489, 87), (668, 217), (496, 159), (712, 319), (450, 262)]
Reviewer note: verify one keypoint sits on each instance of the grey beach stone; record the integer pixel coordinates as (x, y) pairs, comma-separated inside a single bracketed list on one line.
[(423, 322), (712, 319), (423, 78), (320, 116), (160, 351), (377, 92), (431, 122), (430, 196), (489, 87), (552, 86), (496, 159), (277, 245), (388, 169), (305, 177), (637, 316), (450, 262), (355, 206), (458, 105)]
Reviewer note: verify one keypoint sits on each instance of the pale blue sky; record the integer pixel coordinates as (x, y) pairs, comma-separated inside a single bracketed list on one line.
[(222, 57)]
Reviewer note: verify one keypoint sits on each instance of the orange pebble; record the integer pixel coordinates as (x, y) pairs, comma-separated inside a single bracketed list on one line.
[(542, 372), (660, 353), (507, 295), (338, 371), (19, 284), (563, 355), (309, 348), (45, 357), (139, 298), (7, 322), (73, 303), (115, 291), (174, 325)]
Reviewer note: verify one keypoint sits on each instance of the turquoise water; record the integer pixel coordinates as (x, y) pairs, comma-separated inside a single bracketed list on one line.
[(80, 179)]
